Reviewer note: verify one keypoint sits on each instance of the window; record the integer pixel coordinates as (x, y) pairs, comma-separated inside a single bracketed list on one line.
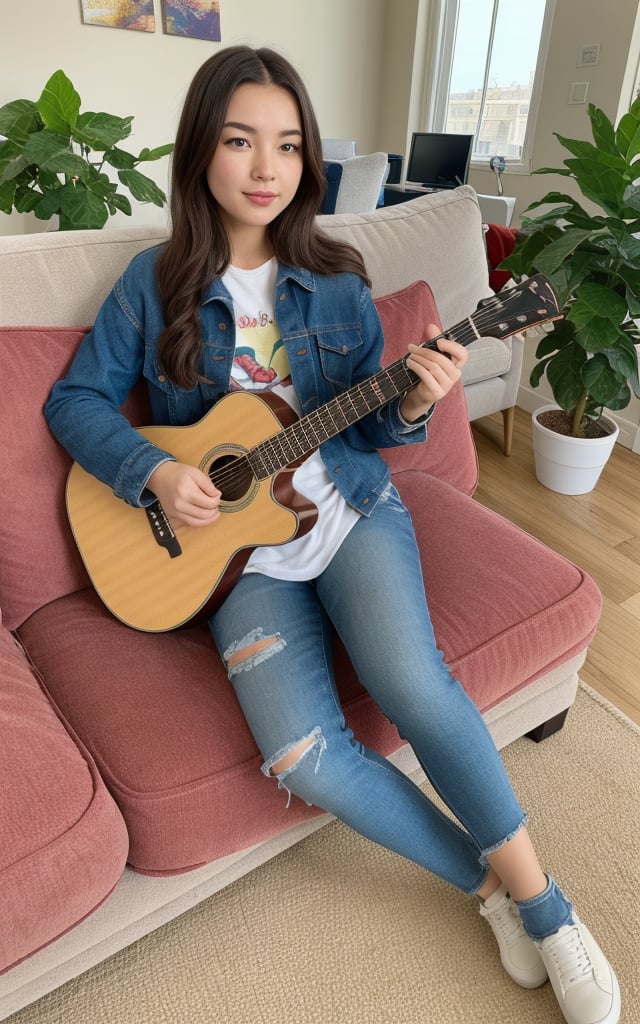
[(487, 74)]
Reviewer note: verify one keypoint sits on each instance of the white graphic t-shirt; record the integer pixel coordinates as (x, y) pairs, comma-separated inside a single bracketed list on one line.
[(260, 364)]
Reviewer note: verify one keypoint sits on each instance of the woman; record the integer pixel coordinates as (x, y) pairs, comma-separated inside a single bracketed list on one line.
[(249, 294)]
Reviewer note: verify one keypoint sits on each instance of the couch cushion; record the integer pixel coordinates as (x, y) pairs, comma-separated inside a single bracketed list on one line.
[(450, 451), (64, 842), (168, 736), (392, 242), (39, 558)]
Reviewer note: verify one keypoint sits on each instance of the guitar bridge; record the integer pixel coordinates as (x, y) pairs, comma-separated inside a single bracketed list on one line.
[(162, 530)]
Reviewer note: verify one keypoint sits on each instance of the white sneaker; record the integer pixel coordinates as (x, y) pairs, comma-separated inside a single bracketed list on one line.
[(582, 977), (520, 958)]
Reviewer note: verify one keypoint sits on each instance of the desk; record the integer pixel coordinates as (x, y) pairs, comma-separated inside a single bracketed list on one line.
[(494, 209), (398, 194)]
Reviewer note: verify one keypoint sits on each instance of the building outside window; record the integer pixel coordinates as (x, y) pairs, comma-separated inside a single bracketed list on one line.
[(487, 77)]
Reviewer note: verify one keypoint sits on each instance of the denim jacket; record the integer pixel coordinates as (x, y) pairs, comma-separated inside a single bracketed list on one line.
[(333, 338)]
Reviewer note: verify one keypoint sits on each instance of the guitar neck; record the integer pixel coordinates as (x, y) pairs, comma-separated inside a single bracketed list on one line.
[(304, 436), (528, 304)]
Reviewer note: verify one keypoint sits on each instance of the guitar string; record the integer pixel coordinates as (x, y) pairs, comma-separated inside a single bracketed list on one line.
[(283, 440)]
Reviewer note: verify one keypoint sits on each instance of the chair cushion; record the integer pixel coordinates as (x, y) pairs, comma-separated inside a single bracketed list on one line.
[(64, 842), (488, 358)]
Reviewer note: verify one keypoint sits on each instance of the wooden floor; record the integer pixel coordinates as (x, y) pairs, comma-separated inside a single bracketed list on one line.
[(599, 531)]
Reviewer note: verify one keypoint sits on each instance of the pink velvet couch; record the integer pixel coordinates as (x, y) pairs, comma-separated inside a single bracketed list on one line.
[(131, 786)]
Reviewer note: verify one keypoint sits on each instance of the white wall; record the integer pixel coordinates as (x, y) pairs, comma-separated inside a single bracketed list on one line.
[(336, 45)]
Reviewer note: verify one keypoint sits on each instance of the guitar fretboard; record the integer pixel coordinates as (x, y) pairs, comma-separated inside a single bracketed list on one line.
[(308, 433)]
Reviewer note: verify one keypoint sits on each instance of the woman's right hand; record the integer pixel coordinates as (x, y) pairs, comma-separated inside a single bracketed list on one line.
[(186, 494)]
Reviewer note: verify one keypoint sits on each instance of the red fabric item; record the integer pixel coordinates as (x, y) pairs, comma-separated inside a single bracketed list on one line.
[(450, 452), (63, 843), (500, 241)]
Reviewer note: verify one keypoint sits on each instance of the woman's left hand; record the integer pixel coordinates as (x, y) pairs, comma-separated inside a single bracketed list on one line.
[(437, 372)]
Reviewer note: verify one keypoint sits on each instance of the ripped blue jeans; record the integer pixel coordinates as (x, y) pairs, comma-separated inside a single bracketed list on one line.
[(275, 637)]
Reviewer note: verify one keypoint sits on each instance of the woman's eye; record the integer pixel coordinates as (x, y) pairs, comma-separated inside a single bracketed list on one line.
[(237, 143), (290, 147)]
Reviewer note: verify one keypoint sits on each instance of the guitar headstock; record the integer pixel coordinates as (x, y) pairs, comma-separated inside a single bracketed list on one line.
[(531, 302)]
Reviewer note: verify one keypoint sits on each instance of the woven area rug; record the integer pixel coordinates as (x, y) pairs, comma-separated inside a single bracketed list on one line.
[(336, 930)]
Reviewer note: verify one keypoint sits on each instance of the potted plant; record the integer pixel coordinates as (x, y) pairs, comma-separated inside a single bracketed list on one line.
[(53, 159), (589, 357)]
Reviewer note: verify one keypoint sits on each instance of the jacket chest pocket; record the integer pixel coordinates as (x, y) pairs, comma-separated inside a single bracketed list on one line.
[(339, 353)]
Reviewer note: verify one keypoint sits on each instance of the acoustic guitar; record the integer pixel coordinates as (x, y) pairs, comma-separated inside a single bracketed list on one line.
[(156, 576)]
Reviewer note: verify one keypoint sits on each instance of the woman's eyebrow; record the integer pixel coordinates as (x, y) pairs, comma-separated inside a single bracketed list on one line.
[(252, 131)]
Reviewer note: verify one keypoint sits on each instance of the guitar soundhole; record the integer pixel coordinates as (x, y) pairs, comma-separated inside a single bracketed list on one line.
[(233, 477)]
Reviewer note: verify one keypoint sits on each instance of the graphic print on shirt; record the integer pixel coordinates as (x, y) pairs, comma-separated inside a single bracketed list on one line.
[(260, 361)]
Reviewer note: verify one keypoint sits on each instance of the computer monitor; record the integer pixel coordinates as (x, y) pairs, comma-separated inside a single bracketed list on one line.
[(438, 160)]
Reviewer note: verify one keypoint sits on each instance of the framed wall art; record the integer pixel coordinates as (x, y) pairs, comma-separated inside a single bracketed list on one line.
[(197, 19), (131, 14)]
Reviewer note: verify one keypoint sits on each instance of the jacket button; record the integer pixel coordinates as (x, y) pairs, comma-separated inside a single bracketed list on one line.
[(282, 296), (161, 378), (366, 501), (344, 350), (222, 327)]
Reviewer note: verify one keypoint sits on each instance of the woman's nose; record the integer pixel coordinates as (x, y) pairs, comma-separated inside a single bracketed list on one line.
[(263, 166)]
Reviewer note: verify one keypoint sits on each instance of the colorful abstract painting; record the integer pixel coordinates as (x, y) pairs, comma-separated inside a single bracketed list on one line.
[(133, 14), (198, 19)]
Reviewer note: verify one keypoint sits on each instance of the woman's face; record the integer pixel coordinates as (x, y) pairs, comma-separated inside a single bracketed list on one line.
[(257, 165)]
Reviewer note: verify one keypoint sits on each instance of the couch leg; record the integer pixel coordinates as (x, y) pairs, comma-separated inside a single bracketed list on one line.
[(548, 728), (508, 416)]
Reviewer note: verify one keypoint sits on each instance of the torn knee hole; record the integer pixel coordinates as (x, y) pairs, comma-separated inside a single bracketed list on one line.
[(248, 652), (292, 757)]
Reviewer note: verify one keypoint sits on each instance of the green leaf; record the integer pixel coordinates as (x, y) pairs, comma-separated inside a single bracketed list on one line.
[(7, 191), (142, 188), (26, 199), (51, 151), (549, 259), (120, 159), (564, 376), (101, 131), (18, 120), (49, 204), (628, 132), (120, 202), (14, 168), (601, 381), (80, 208), (603, 131), (157, 153), (59, 104)]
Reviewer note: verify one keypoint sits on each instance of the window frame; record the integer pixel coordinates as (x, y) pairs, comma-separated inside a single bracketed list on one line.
[(438, 83)]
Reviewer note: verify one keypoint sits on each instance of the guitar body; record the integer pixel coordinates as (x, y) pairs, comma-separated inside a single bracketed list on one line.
[(134, 575)]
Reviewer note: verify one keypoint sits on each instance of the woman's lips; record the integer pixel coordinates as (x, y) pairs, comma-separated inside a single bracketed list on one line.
[(261, 198)]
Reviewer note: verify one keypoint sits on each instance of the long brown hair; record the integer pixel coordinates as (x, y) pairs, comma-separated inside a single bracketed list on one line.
[(198, 250)]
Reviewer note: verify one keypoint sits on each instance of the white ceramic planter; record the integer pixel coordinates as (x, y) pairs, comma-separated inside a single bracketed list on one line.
[(570, 465)]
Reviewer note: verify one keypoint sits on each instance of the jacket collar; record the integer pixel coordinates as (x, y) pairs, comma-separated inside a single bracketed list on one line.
[(305, 278)]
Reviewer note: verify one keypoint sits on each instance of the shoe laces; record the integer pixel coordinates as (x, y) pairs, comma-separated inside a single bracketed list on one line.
[(570, 956), (506, 916)]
